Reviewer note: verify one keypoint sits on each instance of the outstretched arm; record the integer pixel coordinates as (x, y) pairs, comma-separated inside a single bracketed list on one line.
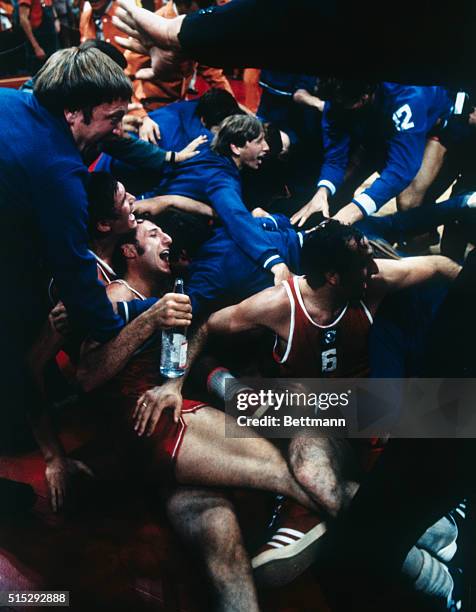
[(394, 275), (157, 204)]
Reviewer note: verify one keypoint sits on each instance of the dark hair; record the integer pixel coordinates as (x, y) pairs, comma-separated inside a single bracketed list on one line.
[(188, 231), (273, 138), (327, 249), (344, 92), (105, 47), (118, 260), (215, 105), (101, 190), (237, 130), (80, 79)]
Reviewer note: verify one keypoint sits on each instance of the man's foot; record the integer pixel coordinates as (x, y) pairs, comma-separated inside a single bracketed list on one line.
[(296, 533), (440, 539)]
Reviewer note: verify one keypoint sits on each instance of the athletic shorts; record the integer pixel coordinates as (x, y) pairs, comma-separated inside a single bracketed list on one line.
[(155, 455)]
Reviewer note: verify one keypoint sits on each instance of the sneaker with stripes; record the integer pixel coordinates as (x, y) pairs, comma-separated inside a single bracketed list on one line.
[(291, 549)]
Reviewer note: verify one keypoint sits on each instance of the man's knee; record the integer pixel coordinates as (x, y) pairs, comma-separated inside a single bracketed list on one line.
[(316, 465), (220, 531), (206, 519)]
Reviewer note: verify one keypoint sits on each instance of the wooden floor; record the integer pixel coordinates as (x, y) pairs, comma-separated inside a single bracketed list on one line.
[(115, 550)]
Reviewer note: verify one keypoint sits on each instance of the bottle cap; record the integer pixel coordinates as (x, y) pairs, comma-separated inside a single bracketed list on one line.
[(178, 285)]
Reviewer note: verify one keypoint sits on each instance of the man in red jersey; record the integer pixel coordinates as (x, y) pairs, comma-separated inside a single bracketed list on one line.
[(321, 322), (185, 446)]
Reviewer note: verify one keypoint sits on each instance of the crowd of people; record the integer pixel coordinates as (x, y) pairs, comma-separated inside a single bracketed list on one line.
[(113, 183)]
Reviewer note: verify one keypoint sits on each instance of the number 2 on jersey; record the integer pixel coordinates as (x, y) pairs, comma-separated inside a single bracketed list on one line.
[(401, 118)]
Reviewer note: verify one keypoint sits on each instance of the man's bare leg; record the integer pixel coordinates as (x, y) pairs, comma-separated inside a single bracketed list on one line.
[(206, 521), (322, 467), (209, 458)]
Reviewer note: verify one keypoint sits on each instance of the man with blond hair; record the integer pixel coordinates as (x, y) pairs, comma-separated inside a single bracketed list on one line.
[(80, 97)]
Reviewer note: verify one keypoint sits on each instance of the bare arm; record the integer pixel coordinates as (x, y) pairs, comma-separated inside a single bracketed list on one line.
[(302, 96), (261, 310), (47, 345), (24, 19), (349, 214), (153, 402), (158, 204), (100, 362), (395, 275), (59, 467)]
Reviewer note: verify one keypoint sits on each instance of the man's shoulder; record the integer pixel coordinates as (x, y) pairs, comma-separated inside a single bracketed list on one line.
[(118, 291), (28, 128), (274, 301), (218, 163), (13, 96), (395, 94), (207, 162)]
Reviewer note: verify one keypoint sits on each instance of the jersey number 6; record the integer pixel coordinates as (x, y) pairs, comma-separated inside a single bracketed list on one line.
[(329, 360)]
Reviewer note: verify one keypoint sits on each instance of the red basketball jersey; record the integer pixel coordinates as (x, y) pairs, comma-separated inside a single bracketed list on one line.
[(338, 350)]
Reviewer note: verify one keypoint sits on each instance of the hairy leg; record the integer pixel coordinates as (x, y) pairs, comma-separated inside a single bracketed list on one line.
[(206, 521), (323, 467), (208, 457)]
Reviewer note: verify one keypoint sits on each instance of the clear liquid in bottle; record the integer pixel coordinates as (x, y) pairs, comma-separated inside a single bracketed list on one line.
[(173, 356)]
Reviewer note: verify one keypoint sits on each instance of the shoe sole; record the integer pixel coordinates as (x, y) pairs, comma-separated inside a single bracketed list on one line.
[(280, 566), (446, 553)]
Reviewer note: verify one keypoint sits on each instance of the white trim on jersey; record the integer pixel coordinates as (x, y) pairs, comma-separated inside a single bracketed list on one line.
[(365, 203), (104, 267), (126, 311), (182, 426), (367, 312), (291, 326), (121, 281), (330, 186), (270, 259), (268, 216), (303, 307)]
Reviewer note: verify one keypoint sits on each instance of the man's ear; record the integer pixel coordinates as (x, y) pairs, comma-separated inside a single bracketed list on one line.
[(333, 279), (129, 251), (235, 149), (71, 116), (103, 226)]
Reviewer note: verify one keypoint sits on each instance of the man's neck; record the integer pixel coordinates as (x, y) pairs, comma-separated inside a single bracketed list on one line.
[(323, 304), (237, 162), (104, 248), (147, 285)]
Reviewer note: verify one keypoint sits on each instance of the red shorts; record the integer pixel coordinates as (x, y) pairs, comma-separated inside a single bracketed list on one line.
[(157, 454)]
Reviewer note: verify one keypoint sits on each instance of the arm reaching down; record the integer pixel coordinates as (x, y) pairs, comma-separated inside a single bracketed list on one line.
[(100, 362), (264, 309)]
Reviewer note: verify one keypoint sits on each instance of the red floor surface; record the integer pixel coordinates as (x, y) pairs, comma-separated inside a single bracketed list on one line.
[(115, 551)]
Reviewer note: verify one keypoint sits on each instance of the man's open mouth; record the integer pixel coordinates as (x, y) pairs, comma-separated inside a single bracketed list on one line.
[(165, 255)]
